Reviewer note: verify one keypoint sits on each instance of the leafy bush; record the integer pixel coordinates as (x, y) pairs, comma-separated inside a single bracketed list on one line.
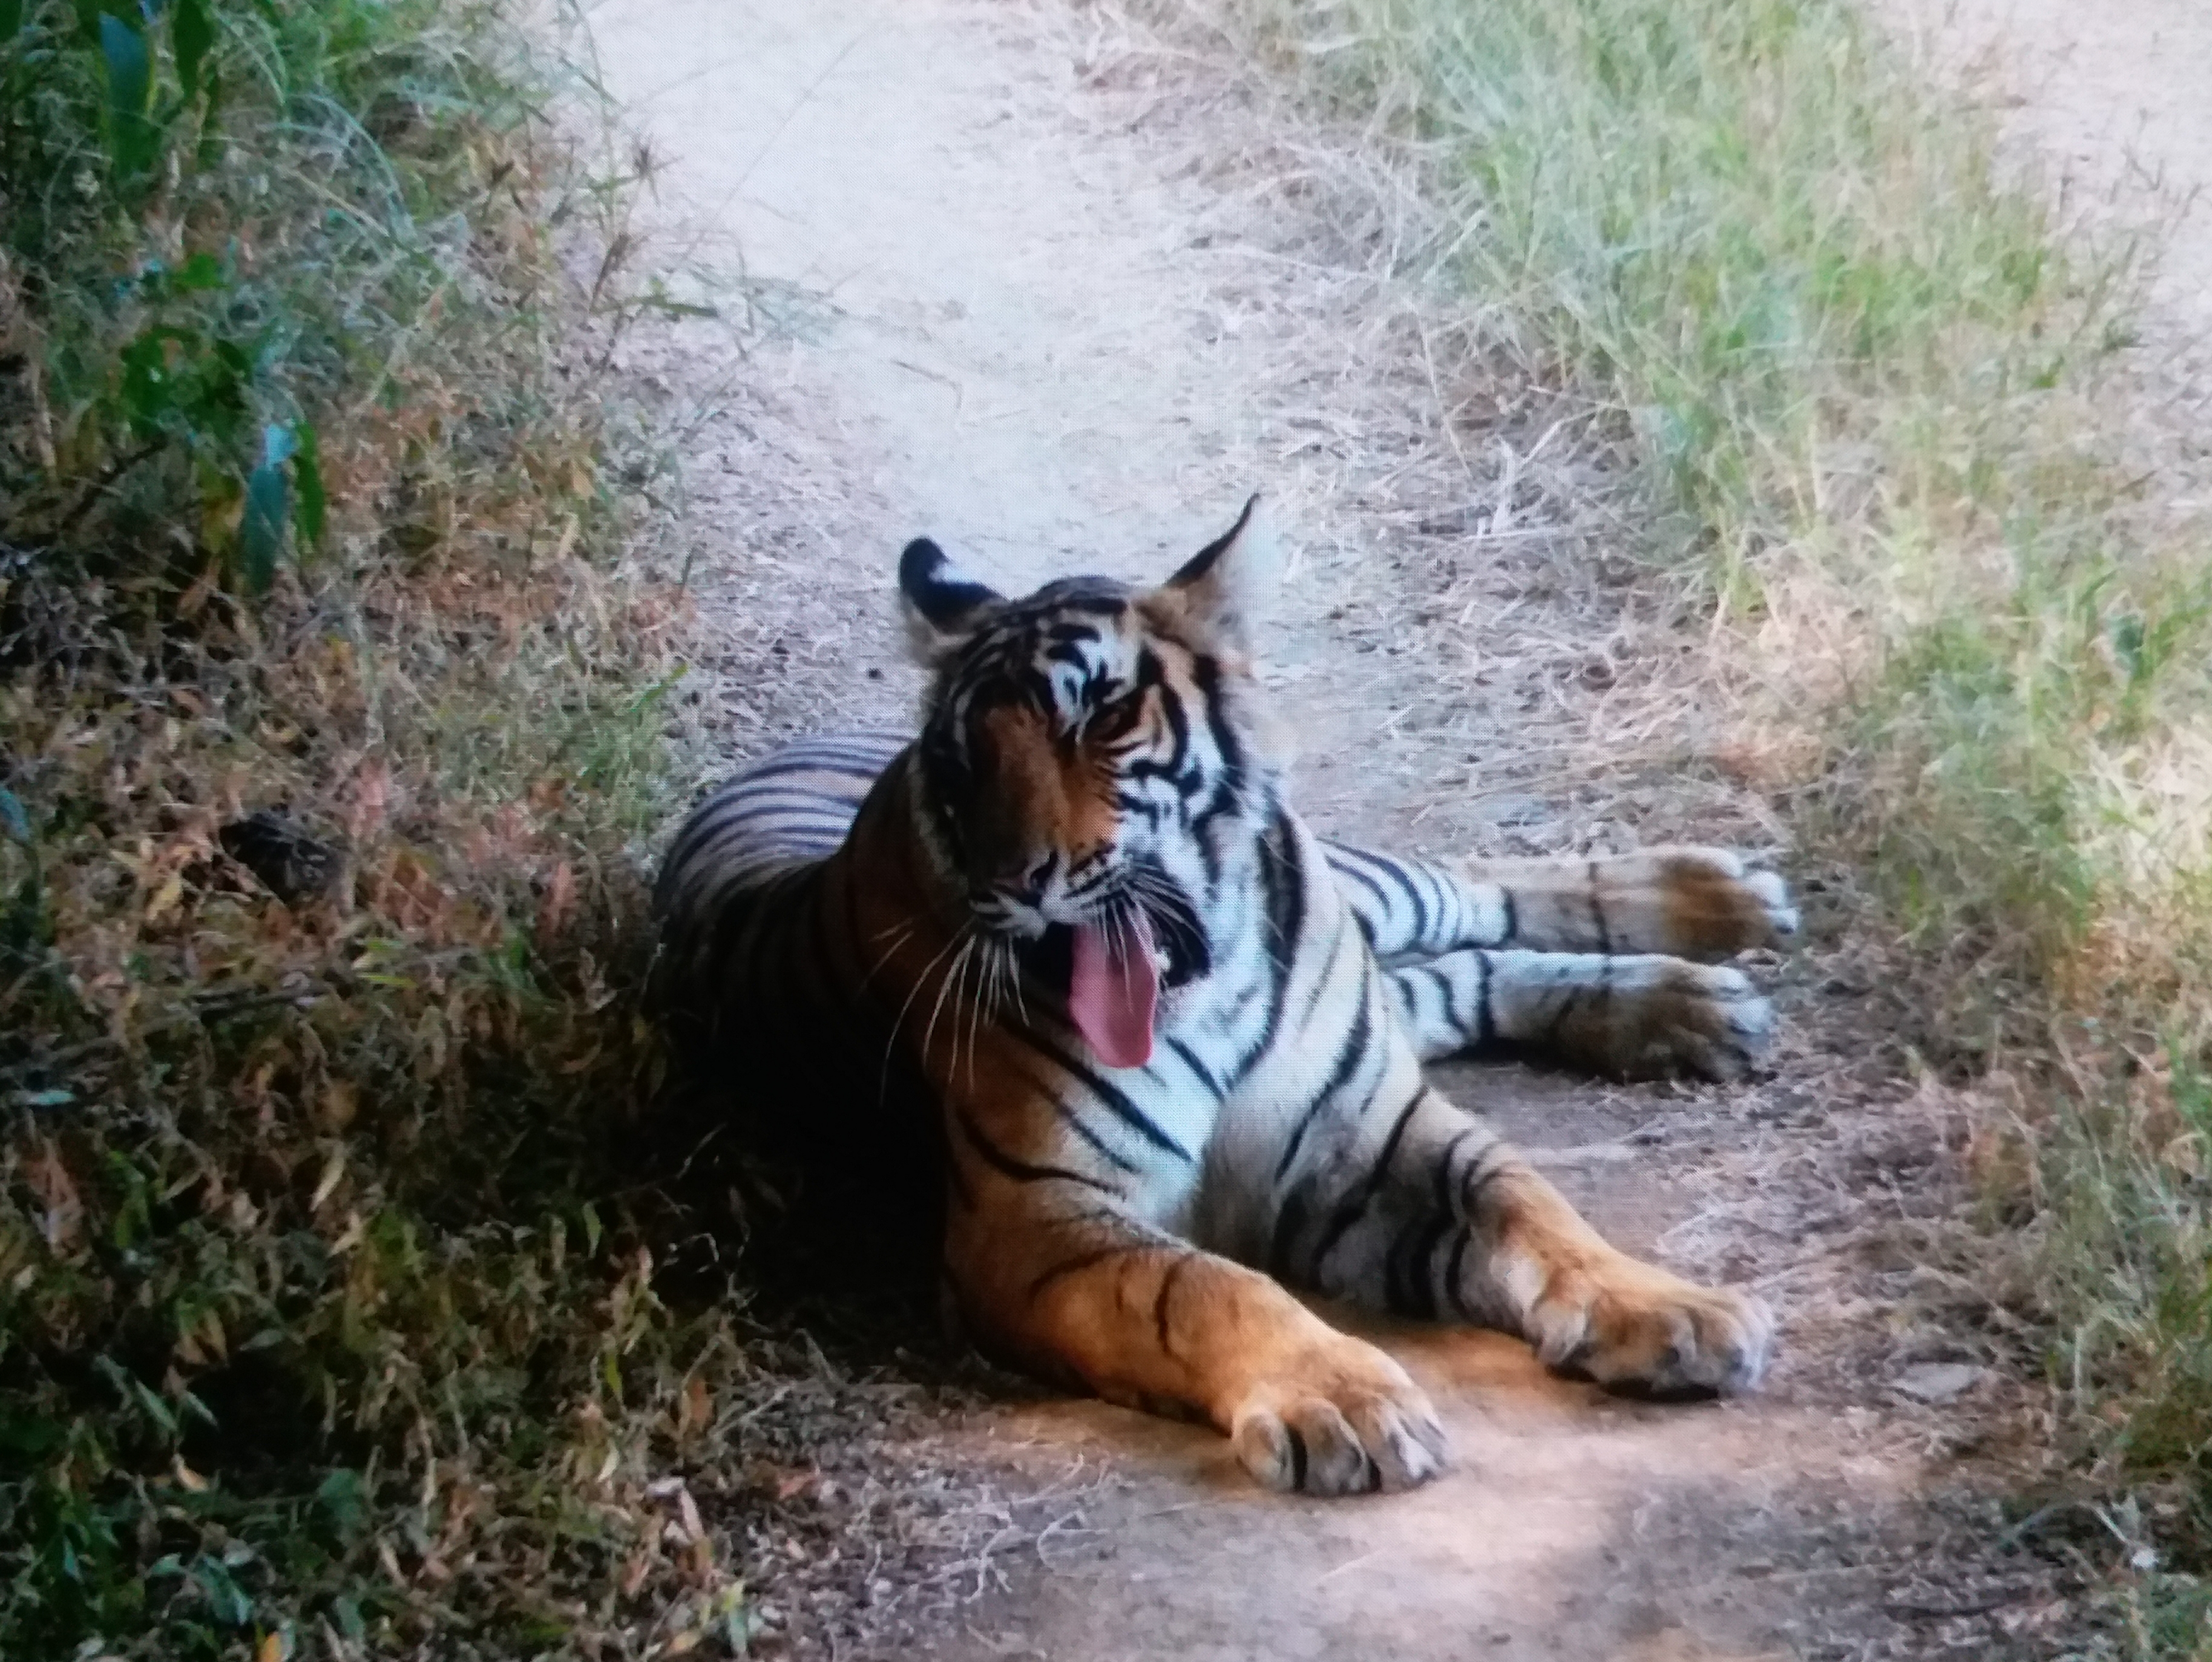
[(328, 712)]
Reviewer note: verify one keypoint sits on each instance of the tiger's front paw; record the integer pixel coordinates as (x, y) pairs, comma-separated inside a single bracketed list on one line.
[(1344, 1419), (1624, 1323)]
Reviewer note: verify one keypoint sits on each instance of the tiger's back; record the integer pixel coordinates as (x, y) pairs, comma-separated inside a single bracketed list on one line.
[(782, 1054)]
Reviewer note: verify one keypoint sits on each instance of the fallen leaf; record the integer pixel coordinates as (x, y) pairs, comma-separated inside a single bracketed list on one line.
[(694, 1527), (695, 1409), (333, 1169), (57, 1191), (560, 900)]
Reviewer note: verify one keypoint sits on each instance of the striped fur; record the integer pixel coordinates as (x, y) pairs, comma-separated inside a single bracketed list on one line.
[(881, 925)]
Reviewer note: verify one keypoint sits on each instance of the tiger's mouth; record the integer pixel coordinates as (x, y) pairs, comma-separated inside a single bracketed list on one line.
[(1179, 947), (1107, 970)]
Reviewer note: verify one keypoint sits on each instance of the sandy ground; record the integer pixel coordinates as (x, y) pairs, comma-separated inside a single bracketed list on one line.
[(1061, 301), (2112, 105)]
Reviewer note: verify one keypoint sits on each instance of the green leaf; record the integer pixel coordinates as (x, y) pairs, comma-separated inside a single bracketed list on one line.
[(149, 389), (210, 145), (344, 1500), (29, 1435), (191, 33), (226, 1600), (346, 1610), (156, 1409), (309, 514), (132, 137), (261, 534), (202, 270), (11, 18)]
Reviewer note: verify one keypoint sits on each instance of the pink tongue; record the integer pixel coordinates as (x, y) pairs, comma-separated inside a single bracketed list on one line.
[(1112, 989)]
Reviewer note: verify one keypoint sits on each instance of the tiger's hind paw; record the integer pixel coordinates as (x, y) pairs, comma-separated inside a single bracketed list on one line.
[(1667, 1016), (1351, 1424), (1703, 902)]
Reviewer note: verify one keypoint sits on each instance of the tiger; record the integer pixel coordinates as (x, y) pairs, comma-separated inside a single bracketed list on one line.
[(1168, 1042)]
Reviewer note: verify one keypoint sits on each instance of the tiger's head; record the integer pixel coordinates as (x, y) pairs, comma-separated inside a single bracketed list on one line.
[(1091, 757)]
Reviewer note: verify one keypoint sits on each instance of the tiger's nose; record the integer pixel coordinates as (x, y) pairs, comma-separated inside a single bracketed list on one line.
[(1028, 886)]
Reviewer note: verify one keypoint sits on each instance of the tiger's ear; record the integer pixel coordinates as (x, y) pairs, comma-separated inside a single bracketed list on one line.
[(943, 604), (1225, 587)]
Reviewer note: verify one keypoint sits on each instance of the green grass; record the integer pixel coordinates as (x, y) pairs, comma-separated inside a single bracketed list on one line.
[(1876, 398), (326, 1326)]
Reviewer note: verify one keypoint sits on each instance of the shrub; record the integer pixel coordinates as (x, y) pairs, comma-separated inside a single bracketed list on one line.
[(329, 712)]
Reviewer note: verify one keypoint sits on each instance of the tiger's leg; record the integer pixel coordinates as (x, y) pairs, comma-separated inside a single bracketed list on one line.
[(1692, 902), (1043, 1272), (1435, 1216), (1632, 1018)]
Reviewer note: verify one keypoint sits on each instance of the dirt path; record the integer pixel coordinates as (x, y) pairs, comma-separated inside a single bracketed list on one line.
[(2111, 103), (1059, 301)]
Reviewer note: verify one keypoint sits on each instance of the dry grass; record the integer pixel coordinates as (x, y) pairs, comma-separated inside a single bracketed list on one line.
[(1884, 423)]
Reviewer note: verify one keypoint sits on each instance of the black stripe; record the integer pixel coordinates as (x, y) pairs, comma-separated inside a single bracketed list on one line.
[(1373, 888), (752, 809), (1349, 1056), (1597, 912), (1495, 1162), (1512, 916), (1160, 1299), (1190, 1059), (1325, 982), (1348, 1214), (1099, 1146), (1283, 880), (1115, 1099), (1176, 769), (1226, 745), (1411, 890), (1439, 908), (1445, 1198), (1419, 1298), (1452, 1271), (1442, 983), (1083, 1261), (785, 763), (1021, 1170), (1068, 1117), (1290, 1221), (1297, 1455)]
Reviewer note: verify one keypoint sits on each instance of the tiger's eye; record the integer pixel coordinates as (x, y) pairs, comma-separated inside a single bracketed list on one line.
[(1114, 720)]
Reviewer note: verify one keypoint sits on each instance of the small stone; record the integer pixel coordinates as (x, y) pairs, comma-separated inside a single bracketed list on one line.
[(1511, 811), (1937, 1382)]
